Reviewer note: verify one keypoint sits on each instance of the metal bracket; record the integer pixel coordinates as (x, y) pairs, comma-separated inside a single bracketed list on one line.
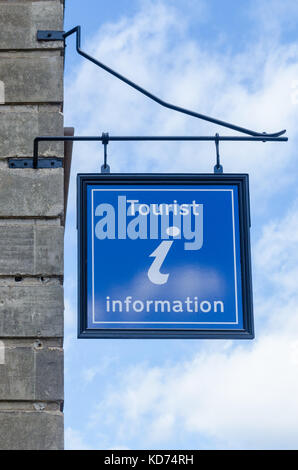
[(105, 140), (61, 35), (42, 163), (251, 135), (218, 167), (37, 140), (105, 169), (50, 35)]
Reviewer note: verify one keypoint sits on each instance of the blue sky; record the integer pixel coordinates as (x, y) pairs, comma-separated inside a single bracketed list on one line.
[(237, 61)]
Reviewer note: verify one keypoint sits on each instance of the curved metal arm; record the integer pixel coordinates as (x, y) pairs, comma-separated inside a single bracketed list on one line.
[(77, 30)]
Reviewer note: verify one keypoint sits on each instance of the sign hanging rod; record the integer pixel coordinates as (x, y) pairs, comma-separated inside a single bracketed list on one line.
[(215, 138)]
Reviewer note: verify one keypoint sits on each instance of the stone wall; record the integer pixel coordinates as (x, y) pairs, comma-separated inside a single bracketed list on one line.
[(31, 229)]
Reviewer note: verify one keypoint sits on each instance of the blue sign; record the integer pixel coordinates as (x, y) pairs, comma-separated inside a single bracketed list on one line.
[(164, 256)]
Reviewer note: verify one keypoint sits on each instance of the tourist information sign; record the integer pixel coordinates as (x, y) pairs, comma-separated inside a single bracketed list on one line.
[(164, 256)]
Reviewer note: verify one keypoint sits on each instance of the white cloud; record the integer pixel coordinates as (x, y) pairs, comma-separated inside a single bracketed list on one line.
[(69, 314), (276, 254), (275, 263), (92, 372), (237, 400), (275, 18), (74, 440)]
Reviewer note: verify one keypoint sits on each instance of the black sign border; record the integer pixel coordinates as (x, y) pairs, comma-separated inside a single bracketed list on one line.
[(240, 180)]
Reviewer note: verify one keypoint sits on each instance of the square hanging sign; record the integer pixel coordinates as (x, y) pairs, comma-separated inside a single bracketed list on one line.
[(164, 256)]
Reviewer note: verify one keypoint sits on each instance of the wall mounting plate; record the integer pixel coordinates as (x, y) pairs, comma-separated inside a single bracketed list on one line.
[(50, 35), (42, 163)]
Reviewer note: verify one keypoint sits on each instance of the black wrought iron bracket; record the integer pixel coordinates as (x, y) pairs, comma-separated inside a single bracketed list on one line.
[(105, 168), (250, 135)]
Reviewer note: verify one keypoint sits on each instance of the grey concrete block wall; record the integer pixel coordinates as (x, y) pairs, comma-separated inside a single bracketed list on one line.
[(33, 370), (31, 193), (22, 19), (31, 229), (31, 249), (28, 122), (32, 77), (31, 307), (21, 430)]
